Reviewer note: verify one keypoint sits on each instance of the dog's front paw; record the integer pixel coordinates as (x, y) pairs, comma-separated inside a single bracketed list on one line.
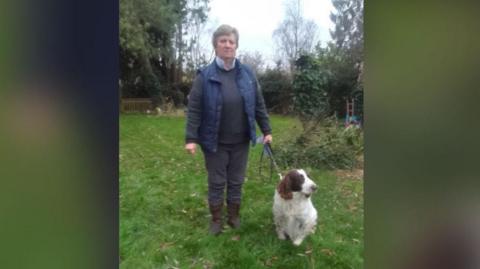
[(297, 242)]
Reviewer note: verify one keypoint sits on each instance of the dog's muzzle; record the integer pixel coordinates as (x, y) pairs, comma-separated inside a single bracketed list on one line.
[(312, 190)]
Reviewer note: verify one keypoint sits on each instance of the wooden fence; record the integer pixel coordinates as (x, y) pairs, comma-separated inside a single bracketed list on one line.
[(136, 105)]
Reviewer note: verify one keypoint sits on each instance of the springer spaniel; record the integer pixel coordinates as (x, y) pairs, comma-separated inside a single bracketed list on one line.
[(293, 211)]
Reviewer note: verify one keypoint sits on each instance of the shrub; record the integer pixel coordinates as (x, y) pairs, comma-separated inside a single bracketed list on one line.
[(331, 146), (276, 86), (310, 89)]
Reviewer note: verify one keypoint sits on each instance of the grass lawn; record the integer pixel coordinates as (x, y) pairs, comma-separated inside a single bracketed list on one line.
[(164, 216)]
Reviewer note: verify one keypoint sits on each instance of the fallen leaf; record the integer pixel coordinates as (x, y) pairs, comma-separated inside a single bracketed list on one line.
[(207, 265), (327, 252), (309, 249), (166, 245)]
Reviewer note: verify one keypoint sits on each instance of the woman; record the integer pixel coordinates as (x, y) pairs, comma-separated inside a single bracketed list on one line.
[(223, 105)]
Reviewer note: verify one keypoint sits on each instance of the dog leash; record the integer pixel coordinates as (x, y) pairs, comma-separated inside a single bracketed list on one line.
[(267, 149)]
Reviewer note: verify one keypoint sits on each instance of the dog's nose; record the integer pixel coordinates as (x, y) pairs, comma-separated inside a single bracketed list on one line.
[(314, 187)]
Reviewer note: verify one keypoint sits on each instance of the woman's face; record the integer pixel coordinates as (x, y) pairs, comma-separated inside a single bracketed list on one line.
[(226, 47)]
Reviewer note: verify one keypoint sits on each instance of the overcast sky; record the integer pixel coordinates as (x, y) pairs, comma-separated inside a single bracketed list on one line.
[(257, 19)]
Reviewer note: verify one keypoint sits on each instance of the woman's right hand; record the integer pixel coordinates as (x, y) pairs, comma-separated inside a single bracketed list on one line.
[(191, 148)]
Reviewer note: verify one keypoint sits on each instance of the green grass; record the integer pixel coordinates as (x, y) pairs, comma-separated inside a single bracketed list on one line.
[(164, 216)]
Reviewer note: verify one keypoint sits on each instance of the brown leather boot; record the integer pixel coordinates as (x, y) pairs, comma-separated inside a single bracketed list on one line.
[(216, 222), (233, 210)]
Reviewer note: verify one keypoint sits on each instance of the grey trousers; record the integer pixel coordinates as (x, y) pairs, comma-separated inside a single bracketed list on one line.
[(226, 167)]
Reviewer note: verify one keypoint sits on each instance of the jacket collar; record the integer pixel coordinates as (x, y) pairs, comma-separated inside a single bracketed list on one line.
[(221, 63), (214, 74)]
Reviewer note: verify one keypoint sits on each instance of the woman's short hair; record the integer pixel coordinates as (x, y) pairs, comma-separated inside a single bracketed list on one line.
[(224, 29)]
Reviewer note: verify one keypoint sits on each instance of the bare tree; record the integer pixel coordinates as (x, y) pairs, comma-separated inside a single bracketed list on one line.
[(187, 45), (295, 35), (254, 60), (196, 56)]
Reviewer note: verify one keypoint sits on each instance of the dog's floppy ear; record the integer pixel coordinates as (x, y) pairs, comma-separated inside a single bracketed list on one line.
[(296, 180), (284, 188)]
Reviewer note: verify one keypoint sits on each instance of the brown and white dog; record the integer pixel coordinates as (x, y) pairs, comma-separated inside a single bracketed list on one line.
[(293, 211)]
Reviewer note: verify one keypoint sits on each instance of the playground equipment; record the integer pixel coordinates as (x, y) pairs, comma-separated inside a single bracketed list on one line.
[(351, 118)]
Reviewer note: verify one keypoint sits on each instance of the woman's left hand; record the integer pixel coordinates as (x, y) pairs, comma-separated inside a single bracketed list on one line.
[(267, 139)]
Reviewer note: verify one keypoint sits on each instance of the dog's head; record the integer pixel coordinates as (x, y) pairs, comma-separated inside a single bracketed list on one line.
[(296, 181)]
